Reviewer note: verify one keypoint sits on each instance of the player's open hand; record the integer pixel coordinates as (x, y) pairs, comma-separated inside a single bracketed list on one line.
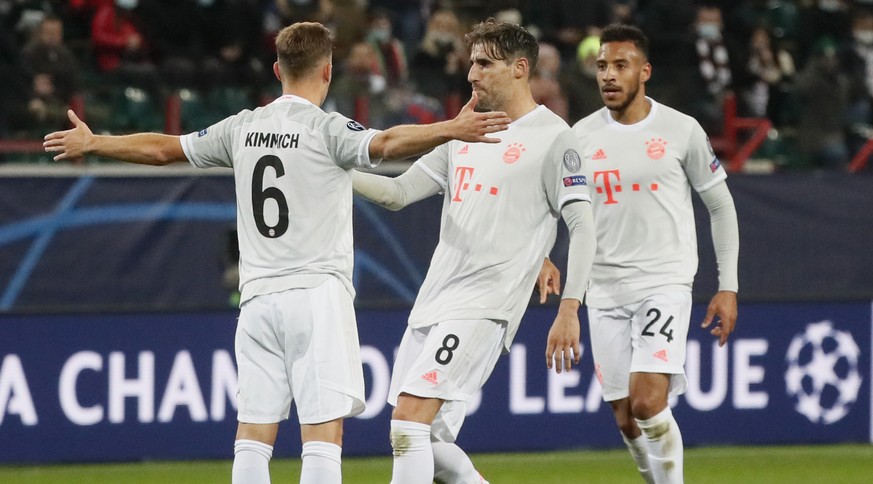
[(549, 280), (723, 310), (70, 144), (472, 126), (562, 348)]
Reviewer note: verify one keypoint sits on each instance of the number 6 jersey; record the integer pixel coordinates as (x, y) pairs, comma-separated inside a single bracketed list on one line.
[(292, 169)]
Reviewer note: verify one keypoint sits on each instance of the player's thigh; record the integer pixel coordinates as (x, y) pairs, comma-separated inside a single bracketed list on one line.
[(324, 356), (660, 334), (611, 349), (449, 361), (264, 393)]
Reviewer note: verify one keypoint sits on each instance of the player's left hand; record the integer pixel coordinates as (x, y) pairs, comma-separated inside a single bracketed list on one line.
[(562, 348), (549, 280), (723, 310), (70, 143)]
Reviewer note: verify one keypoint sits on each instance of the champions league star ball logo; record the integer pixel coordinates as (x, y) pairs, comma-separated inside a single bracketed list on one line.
[(822, 376)]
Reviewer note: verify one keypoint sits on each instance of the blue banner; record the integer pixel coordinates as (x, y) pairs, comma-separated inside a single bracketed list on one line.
[(78, 388), (126, 243)]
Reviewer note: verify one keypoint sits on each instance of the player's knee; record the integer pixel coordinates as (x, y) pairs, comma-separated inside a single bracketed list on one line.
[(644, 407), (411, 408)]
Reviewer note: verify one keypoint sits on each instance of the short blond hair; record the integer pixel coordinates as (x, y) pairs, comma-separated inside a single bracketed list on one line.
[(301, 47)]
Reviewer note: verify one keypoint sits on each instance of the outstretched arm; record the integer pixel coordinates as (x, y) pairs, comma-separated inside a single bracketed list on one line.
[(726, 240), (562, 347), (406, 141), (141, 148), (395, 193)]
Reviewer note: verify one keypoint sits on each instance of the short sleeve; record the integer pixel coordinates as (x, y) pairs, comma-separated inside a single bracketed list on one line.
[(564, 171), (212, 146), (701, 165), (348, 142)]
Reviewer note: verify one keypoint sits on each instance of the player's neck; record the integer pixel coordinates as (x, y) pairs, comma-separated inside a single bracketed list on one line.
[(312, 92), (516, 110), (634, 112)]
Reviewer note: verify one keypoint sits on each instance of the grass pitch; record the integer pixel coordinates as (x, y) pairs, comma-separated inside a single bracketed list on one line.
[(843, 464)]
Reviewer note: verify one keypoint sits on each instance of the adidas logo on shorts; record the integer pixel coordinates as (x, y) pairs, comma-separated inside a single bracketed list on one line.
[(430, 377)]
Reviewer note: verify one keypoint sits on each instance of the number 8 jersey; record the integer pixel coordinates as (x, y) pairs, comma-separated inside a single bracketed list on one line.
[(292, 169)]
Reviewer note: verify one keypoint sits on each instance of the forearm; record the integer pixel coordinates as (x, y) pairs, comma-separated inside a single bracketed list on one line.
[(406, 141), (725, 234), (580, 256), (141, 148), (394, 193)]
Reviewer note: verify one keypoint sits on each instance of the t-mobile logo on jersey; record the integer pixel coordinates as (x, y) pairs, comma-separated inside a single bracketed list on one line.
[(604, 182), (464, 183)]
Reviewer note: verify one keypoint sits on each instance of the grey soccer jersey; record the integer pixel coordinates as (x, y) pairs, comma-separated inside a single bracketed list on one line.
[(642, 176), (500, 207), (291, 163)]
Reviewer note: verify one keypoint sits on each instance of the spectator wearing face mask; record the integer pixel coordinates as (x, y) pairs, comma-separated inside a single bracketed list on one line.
[(390, 55), (439, 67), (713, 74)]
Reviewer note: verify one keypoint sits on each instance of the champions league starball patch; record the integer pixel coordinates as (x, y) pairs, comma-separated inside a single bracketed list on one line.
[(572, 162), (355, 126)]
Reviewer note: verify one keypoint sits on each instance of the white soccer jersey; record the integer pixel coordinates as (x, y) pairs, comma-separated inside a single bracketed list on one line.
[(292, 167), (500, 207), (642, 176)]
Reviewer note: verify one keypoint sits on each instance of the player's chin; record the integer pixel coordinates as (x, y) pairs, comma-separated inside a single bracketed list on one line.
[(614, 103)]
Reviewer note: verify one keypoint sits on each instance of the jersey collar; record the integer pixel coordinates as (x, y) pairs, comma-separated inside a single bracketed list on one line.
[(292, 98), (639, 124)]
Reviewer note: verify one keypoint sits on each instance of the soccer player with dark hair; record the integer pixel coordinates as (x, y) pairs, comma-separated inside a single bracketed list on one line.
[(644, 159), (501, 205)]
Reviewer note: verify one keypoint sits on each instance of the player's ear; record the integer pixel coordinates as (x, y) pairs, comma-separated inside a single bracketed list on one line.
[(276, 71), (327, 72), (646, 72), (521, 68)]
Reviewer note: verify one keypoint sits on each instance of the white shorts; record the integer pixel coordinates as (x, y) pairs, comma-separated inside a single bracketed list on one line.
[(450, 361), (300, 345), (648, 336)]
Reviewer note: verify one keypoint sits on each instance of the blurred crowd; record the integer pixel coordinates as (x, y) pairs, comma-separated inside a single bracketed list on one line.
[(806, 65)]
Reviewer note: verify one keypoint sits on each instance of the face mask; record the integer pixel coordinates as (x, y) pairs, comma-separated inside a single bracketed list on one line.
[(379, 35), (443, 37), (127, 4), (709, 31), (863, 36), (830, 5)]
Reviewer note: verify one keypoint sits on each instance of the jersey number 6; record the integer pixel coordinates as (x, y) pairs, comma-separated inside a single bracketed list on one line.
[(260, 195)]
